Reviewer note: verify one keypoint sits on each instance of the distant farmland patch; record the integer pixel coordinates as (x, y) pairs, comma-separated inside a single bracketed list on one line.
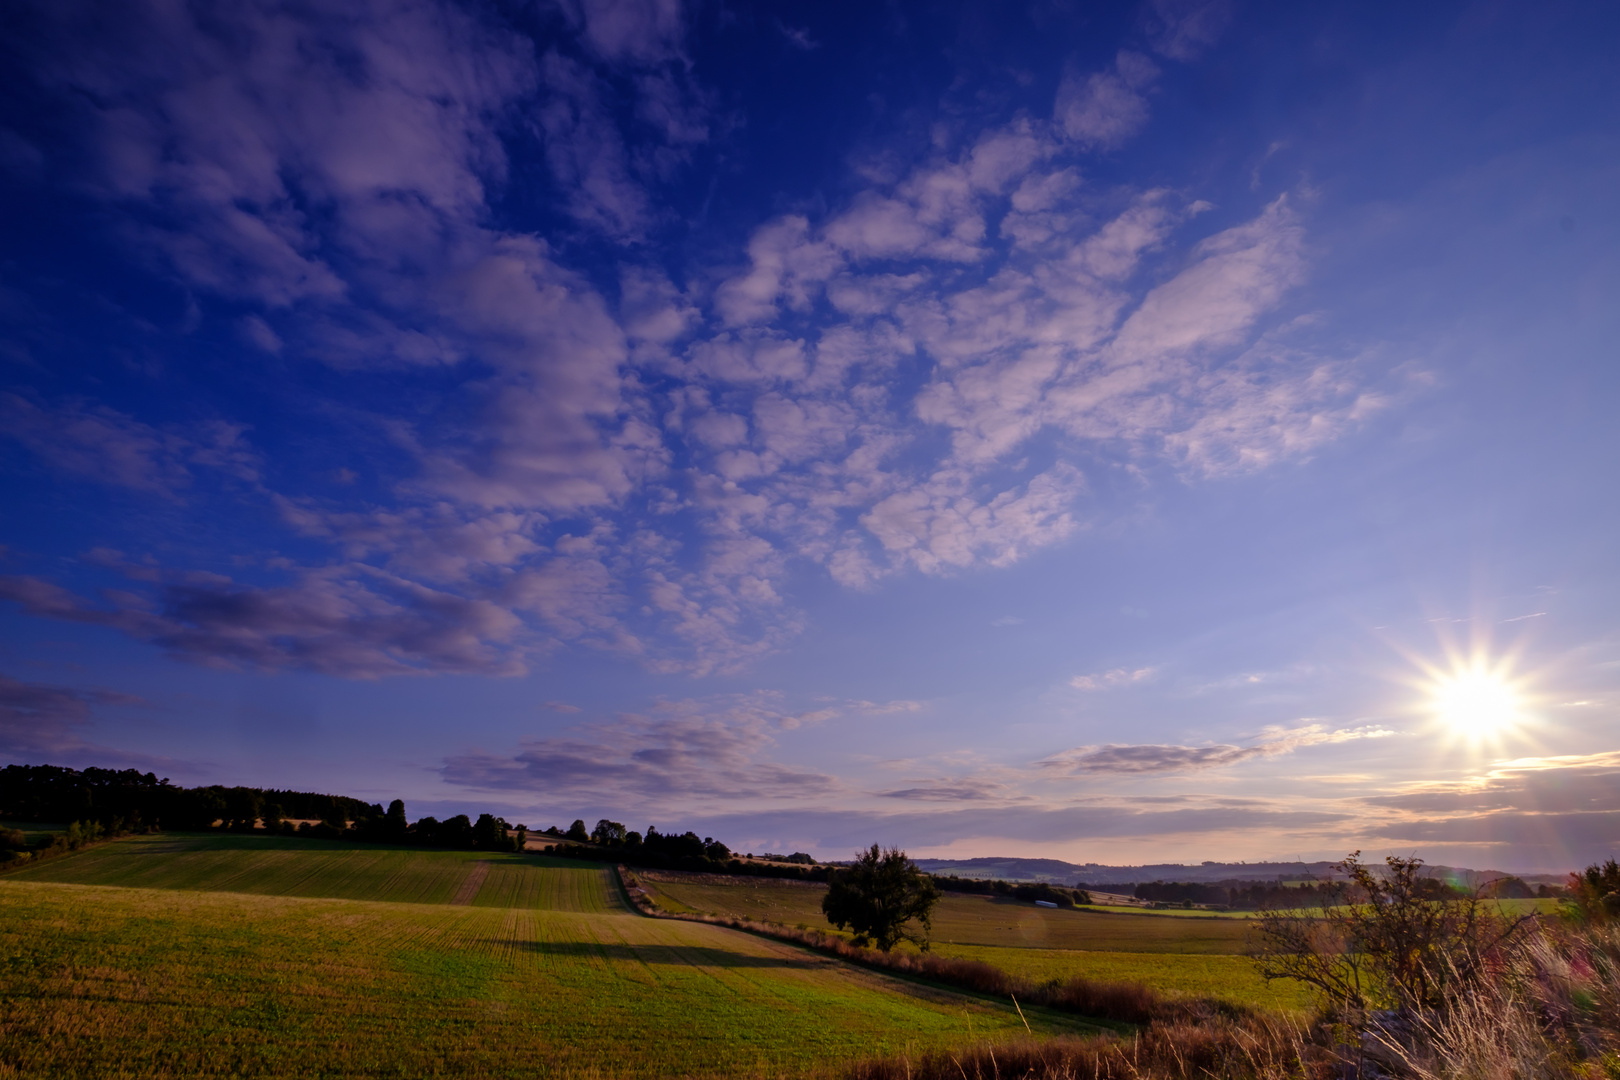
[(1194, 957), (964, 919)]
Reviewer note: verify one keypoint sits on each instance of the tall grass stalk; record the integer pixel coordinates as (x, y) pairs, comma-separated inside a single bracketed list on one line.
[(1549, 1010), (1252, 1049)]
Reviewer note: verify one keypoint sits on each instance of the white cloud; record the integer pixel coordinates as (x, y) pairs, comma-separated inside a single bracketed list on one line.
[(1182, 29), (1238, 274), (642, 473), (101, 444), (653, 311), (356, 622), (885, 708), (785, 266), (750, 358), (1112, 678), (940, 525), (1101, 111), (640, 31), (235, 126), (258, 331), (587, 154)]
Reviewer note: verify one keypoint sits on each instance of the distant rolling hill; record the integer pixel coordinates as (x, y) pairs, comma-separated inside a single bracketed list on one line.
[(1057, 871)]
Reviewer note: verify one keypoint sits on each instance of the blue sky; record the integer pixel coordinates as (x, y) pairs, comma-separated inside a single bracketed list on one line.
[(1113, 432)]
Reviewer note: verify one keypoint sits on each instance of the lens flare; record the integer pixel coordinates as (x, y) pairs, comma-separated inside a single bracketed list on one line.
[(1480, 696), (1477, 702)]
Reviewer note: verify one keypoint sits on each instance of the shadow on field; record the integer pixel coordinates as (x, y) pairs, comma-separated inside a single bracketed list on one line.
[(684, 955)]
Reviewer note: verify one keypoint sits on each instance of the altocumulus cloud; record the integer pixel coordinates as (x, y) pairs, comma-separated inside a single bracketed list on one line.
[(687, 751), (641, 471)]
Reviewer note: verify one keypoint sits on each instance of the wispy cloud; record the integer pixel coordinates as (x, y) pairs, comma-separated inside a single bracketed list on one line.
[(40, 723), (364, 625), (1571, 783), (102, 444), (1111, 678), (1182, 29), (1557, 810), (1150, 758), (638, 31), (714, 751), (1102, 110), (948, 791)]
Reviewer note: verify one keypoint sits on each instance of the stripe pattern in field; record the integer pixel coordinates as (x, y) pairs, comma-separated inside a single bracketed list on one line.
[(471, 883), (273, 866)]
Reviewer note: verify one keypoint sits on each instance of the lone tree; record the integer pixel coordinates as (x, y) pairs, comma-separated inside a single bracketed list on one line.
[(878, 896)]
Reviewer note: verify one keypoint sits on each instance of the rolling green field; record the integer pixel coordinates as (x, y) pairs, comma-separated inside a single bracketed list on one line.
[(966, 919), (291, 866), (1176, 955), (1229, 977), (217, 955)]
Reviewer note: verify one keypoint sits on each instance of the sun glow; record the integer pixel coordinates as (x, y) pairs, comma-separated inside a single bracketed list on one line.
[(1476, 702)]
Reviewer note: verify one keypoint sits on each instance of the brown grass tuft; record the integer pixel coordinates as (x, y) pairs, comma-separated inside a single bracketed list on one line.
[(1252, 1048)]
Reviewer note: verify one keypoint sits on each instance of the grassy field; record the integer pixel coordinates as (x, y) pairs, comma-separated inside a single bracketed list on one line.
[(1176, 955), (1232, 978), (967, 920), (300, 958), (291, 866)]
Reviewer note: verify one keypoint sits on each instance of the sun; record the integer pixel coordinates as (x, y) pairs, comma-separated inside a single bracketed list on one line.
[(1476, 703)]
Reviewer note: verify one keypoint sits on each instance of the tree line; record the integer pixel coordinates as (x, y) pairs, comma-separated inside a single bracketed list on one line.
[(130, 800), (610, 841), (1025, 890), (1241, 895), (115, 802), (1235, 894), (103, 803)]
